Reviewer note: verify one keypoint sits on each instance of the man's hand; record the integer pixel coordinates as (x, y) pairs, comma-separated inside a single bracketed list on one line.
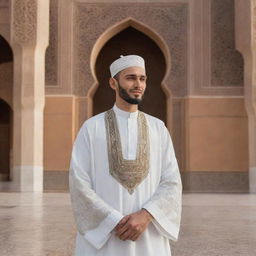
[(133, 225)]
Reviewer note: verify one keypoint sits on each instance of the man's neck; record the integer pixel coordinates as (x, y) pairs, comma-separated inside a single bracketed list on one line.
[(125, 106)]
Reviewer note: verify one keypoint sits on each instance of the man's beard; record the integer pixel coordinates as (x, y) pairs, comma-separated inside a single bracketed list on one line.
[(125, 96)]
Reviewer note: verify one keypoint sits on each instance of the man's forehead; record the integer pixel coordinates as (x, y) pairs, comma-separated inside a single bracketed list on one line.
[(138, 71)]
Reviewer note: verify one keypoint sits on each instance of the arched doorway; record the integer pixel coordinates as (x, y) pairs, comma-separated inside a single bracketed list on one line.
[(132, 41), (5, 140), (6, 88)]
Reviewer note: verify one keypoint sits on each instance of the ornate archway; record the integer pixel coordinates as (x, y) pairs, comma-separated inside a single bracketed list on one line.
[(125, 28), (132, 41)]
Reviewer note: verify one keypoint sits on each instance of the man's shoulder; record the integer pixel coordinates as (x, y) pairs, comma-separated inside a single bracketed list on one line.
[(154, 120), (94, 120)]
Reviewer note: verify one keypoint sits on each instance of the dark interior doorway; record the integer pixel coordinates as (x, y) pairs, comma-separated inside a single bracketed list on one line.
[(5, 142), (132, 41), (6, 56)]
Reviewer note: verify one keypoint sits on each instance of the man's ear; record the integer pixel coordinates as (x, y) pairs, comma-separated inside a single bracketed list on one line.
[(113, 83)]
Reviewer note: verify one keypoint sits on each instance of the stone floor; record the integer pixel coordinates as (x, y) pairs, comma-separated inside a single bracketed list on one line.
[(212, 225)]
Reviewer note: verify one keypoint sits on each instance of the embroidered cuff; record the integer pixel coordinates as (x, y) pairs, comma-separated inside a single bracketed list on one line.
[(164, 226), (99, 236)]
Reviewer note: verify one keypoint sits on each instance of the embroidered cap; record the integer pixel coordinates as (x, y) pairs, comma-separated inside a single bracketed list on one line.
[(125, 62)]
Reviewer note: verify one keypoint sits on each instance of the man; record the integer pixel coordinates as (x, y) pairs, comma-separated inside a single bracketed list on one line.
[(124, 179)]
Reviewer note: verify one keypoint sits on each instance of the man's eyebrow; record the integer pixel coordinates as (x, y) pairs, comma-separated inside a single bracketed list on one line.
[(133, 75)]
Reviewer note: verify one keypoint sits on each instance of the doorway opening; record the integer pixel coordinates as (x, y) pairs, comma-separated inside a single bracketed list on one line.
[(5, 140), (6, 113), (132, 41)]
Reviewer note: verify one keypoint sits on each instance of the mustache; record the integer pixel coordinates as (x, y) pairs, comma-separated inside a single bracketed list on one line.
[(136, 90)]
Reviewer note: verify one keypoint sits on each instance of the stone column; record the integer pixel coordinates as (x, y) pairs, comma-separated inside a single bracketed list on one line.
[(245, 20), (29, 39)]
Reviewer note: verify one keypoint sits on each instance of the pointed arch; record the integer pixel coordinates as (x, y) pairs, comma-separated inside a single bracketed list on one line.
[(150, 33), (115, 29)]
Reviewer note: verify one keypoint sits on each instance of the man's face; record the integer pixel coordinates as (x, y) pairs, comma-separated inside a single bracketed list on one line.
[(131, 84)]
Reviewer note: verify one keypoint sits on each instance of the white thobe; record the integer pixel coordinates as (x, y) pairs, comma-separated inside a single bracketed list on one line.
[(99, 201)]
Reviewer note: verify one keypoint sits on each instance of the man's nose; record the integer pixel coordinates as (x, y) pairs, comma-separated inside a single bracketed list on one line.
[(138, 83)]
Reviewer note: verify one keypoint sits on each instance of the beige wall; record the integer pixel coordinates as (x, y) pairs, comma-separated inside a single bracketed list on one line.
[(58, 132), (217, 134)]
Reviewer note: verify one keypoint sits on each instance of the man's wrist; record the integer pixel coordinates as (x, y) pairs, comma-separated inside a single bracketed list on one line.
[(149, 216)]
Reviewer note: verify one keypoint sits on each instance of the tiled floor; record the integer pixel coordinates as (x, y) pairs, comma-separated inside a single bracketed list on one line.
[(217, 225), (212, 225)]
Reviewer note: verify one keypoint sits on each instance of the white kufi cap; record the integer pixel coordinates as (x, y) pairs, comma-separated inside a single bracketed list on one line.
[(125, 62)]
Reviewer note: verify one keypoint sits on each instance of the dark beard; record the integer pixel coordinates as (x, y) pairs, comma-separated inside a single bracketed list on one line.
[(125, 96)]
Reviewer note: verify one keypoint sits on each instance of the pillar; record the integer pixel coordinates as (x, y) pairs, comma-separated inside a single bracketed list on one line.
[(29, 39)]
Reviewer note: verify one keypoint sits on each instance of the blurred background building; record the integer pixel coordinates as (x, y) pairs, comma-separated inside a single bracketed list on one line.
[(200, 60)]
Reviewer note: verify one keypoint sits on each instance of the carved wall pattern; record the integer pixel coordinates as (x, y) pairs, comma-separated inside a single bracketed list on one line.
[(227, 63), (168, 19), (24, 21), (51, 58)]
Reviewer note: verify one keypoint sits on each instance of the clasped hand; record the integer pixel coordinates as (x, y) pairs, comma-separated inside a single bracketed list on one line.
[(133, 225)]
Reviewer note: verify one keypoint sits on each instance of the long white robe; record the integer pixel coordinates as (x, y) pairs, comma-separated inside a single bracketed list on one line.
[(99, 202)]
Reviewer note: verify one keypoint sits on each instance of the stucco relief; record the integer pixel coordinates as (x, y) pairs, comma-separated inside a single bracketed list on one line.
[(51, 59), (24, 21), (226, 61), (168, 19)]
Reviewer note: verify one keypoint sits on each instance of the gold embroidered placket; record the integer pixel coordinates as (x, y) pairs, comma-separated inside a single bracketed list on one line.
[(129, 173)]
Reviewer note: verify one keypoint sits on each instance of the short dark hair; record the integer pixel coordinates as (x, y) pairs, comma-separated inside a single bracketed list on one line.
[(117, 75)]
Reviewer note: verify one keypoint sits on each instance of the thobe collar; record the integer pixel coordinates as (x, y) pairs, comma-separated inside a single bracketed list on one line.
[(125, 114)]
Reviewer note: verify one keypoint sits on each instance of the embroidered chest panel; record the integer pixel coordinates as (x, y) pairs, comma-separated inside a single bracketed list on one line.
[(129, 173)]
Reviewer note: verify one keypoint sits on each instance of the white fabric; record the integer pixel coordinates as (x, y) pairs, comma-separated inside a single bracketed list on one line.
[(159, 193), (125, 62)]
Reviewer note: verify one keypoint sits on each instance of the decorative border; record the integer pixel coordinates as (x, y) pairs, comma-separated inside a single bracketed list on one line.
[(86, 14), (200, 54)]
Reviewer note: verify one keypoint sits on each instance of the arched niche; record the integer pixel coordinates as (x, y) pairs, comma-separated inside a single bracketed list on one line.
[(6, 116), (132, 41), (132, 37), (6, 113)]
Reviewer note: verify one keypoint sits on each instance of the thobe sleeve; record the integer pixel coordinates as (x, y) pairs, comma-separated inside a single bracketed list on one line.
[(95, 219), (165, 204)]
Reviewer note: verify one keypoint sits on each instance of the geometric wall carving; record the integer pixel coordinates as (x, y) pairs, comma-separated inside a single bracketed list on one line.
[(24, 21), (226, 61), (51, 57), (169, 20)]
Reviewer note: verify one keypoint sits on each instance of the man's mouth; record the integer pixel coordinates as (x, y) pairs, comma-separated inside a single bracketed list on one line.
[(136, 91)]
